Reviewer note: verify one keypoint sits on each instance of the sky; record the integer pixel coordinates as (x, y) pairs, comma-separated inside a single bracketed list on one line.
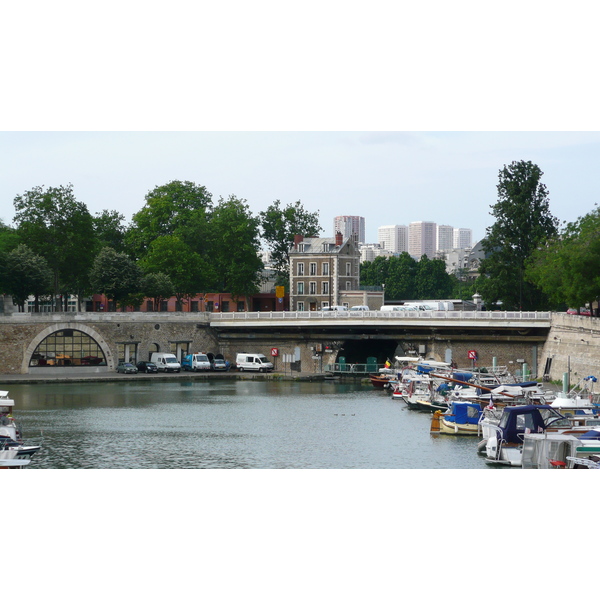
[(396, 113), (389, 178)]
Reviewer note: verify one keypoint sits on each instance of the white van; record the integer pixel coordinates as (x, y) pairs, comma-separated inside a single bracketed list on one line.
[(253, 362), (362, 307), (165, 361), (196, 362), (338, 308)]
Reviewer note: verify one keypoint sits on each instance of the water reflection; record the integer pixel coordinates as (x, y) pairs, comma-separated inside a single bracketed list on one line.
[(231, 425)]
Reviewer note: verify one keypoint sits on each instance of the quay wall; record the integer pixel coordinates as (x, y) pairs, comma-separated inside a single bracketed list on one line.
[(573, 347), (572, 344)]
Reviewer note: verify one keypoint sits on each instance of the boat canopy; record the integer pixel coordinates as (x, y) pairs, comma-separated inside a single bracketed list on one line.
[(463, 413), (592, 434), (464, 377), (517, 420)]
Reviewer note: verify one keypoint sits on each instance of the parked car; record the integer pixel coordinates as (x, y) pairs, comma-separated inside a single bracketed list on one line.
[(126, 368), (145, 366), (220, 364), (585, 312)]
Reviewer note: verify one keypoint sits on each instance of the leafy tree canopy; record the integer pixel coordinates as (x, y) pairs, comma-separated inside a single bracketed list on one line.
[(279, 226), (176, 208), (24, 274), (567, 268), (523, 223), (115, 275), (235, 244)]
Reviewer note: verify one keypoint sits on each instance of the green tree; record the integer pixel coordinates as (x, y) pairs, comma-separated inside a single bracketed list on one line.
[(279, 226), (523, 223), (567, 268), (59, 228), (432, 279), (235, 244), (9, 239), (158, 287), (24, 273), (402, 276), (115, 275), (177, 208), (189, 272), (110, 229)]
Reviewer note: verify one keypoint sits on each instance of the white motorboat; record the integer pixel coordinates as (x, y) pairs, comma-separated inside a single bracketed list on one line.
[(11, 439), (504, 446), (562, 449)]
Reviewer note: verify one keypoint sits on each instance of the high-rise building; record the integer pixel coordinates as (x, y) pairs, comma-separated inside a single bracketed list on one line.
[(445, 238), (462, 238), (347, 225), (422, 239), (393, 238)]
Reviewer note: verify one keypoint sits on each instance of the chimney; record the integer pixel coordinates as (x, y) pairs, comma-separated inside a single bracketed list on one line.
[(297, 239), (339, 238)]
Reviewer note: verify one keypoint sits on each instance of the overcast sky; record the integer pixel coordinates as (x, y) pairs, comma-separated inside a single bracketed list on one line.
[(394, 115), (389, 178)]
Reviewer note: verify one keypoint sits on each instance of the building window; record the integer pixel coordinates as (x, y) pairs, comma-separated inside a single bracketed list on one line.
[(312, 288), (348, 269), (209, 306), (300, 288), (313, 269), (241, 306), (149, 306), (300, 269), (301, 306), (348, 285), (325, 268), (194, 306), (67, 348), (164, 305), (225, 306), (325, 288)]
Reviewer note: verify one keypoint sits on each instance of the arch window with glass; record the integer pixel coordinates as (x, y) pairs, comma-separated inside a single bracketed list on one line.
[(67, 348)]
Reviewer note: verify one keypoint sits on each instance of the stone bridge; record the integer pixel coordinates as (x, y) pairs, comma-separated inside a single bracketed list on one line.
[(310, 341)]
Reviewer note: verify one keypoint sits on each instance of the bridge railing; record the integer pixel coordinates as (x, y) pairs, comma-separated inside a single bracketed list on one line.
[(387, 315)]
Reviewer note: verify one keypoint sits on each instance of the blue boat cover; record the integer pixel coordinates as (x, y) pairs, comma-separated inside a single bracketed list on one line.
[(516, 419), (593, 434), (462, 376), (463, 413)]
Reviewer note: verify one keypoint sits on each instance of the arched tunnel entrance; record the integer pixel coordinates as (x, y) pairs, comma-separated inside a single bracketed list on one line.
[(357, 351)]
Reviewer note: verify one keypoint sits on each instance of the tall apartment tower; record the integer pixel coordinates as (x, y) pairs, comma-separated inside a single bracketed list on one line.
[(445, 238), (393, 238), (462, 238), (347, 225), (422, 239)]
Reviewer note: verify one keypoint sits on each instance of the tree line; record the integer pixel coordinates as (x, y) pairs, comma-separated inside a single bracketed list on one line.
[(181, 243)]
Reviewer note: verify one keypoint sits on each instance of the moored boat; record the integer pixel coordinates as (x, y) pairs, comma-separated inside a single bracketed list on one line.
[(461, 418), (11, 440)]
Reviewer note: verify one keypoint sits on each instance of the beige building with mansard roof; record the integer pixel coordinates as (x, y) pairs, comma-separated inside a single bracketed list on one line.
[(325, 272)]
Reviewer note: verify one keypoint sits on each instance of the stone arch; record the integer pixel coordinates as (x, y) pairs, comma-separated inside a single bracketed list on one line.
[(42, 335)]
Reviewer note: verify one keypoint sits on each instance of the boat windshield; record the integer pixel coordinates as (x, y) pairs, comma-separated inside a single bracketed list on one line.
[(554, 418)]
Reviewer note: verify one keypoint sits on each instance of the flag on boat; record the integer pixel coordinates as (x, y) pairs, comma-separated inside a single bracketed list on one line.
[(491, 404), (388, 364)]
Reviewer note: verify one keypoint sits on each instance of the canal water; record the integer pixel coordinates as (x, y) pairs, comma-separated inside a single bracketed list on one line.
[(231, 424)]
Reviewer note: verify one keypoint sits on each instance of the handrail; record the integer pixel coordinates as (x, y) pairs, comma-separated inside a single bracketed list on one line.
[(382, 315)]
